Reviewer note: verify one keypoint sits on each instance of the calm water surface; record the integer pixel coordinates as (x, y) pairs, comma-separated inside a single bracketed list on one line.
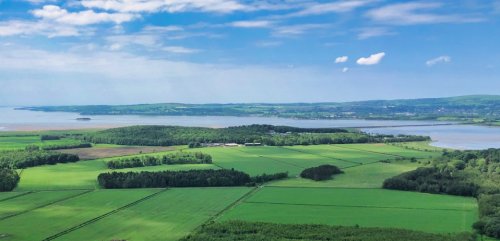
[(453, 136)]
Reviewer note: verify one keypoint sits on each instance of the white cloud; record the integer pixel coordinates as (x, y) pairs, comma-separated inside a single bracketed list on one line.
[(115, 47), (87, 17), (413, 13), (251, 24), (136, 6), (11, 28), (345, 69), (333, 7), (437, 60), (297, 29), (268, 44), (366, 33), (180, 50), (373, 59), (341, 59)]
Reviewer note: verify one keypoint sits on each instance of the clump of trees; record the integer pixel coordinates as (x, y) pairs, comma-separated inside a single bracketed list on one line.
[(433, 180), (265, 134), (319, 173), (19, 159), (250, 231), (167, 159), (8, 179), (191, 178)]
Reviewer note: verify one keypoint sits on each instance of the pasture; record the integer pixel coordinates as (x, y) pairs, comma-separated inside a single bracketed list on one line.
[(358, 206)]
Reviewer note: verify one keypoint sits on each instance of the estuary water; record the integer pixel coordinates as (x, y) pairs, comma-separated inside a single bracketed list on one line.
[(450, 136)]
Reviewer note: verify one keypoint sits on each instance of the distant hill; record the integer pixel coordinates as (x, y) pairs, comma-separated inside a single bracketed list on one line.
[(474, 107)]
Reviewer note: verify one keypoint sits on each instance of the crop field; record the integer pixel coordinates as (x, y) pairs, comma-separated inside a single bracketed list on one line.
[(20, 142), (100, 151), (50, 220), (362, 176), (82, 174), (168, 216), (68, 196), (358, 206)]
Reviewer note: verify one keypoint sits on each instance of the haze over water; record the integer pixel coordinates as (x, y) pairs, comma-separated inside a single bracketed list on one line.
[(452, 136)]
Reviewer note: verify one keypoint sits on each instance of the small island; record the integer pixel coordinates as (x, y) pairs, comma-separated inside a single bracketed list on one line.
[(83, 119)]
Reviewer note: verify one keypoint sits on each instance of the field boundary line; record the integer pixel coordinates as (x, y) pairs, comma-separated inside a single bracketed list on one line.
[(367, 188), (18, 195), (93, 220), (272, 159), (314, 154), (44, 205), (362, 206), (376, 152), (232, 205)]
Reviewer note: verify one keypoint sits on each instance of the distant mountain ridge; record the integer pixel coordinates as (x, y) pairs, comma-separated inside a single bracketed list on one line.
[(472, 107)]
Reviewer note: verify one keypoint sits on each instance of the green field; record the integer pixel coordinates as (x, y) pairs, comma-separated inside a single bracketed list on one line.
[(51, 192), (364, 207), (168, 216), (20, 142), (50, 220)]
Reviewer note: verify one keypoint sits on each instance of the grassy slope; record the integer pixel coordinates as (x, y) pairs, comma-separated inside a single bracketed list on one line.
[(168, 216), (364, 207)]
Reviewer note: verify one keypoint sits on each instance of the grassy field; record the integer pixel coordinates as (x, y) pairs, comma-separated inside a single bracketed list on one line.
[(101, 151), (364, 207), (20, 142), (52, 193), (30, 201), (362, 176), (168, 216), (41, 223), (82, 175)]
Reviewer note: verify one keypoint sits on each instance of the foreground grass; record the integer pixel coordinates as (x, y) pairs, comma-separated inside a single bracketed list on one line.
[(168, 216), (364, 207), (246, 231), (41, 223)]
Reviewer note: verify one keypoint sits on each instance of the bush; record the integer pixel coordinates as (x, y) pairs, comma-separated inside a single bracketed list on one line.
[(8, 180), (320, 173)]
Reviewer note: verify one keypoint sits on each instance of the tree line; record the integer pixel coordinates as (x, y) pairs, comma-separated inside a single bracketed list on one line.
[(250, 231), (50, 147), (320, 173), (191, 178), (265, 134), (167, 159), (19, 159), (8, 179)]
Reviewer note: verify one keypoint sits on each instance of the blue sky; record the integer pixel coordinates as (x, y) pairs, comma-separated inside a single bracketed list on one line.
[(204, 51)]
